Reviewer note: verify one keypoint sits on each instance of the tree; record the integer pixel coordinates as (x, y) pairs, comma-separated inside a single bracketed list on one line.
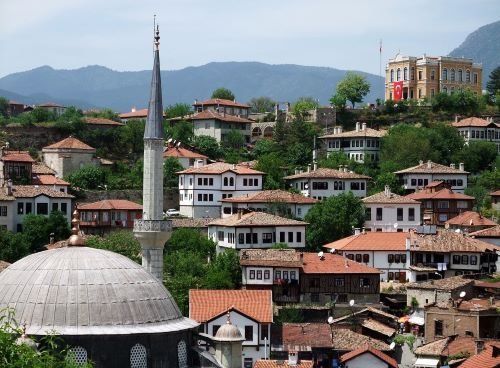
[(132, 136), (88, 177), (192, 241), (182, 131), (333, 219), (13, 246), (272, 164), (207, 145), (477, 156), (302, 106), (4, 107), (122, 242), (493, 85), (171, 166), (223, 93), (339, 101), (105, 114), (224, 272), (178, 110), (442, 102), (353, 87), (38, 229), (387, 178), (466, 102), (234, 140), (262, 104)]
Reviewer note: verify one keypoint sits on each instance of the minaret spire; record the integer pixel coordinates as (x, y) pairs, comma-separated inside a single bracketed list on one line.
[(152, 231)]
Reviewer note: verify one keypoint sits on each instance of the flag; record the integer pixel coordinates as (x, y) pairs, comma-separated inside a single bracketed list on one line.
[(398, 90)]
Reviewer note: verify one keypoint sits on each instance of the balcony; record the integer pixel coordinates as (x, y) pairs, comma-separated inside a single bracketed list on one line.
[(286, 293)]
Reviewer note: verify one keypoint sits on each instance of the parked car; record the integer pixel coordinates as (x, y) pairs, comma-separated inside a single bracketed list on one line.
[(172, 212)]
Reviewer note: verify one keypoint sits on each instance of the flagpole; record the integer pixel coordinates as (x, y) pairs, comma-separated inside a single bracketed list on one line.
[(380, 67)]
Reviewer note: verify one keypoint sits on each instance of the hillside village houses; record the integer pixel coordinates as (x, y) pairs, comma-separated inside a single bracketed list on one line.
[(386, 211), (201, 188), (256, 230), (186, 157), (420, 176), (469, 222), (359, 145), (475, 129), (321, 183), (56, 108), (274, 201), (141, 114)]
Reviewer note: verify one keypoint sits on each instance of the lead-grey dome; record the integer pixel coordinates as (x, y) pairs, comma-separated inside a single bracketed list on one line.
[(87, 291)]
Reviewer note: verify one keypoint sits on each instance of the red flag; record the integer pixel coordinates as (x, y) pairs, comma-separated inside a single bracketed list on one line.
[(398, 90)]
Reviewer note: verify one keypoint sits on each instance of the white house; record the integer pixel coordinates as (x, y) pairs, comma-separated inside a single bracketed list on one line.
[(273, 201), (256, 230), (418, 177), (39, 200), (387, 251), (7, 206), (68, 155), (323, 183), (359, 145), (386, 211), (249, 310), (476, 129), (186, 157), (201, 189)]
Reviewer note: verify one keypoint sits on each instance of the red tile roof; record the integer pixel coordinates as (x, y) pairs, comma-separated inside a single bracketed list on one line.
[(39, 168), (472, 122), (204, 305), (382, 197), (470, 218), (327, 173), (371, 241), (434, 168), (449, 241), (492, 232), (17, 156), (368, 132), (102, 121), (391, 362), (181, 152), (137, 114), (282, 364), (333, 264), (496, 193), (211, 114), (31, 191), (271, 196), (70, 143), (257, 219), (445, 193), (221, 102), (111, 204), (218, 168), (270, 258), (488, 358), (49, 180), (50, 104)]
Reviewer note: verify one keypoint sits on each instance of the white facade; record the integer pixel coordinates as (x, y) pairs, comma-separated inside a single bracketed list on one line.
[(265, 276), (366, 360), (391, 217), (7, 206), (256, 335), (64, 162), (40, 205), (484, 130), (297, 210)]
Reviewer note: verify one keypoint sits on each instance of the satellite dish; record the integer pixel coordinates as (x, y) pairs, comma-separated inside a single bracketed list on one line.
[(457, 231), (392, 346), (332, 250), (178, 144), (330, 320), (462, 294), (169, 140), (351, 302), (395, 225), (306, 186), (320, 254)]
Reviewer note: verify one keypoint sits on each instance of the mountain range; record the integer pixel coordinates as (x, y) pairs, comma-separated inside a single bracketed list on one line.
[(99, 87)]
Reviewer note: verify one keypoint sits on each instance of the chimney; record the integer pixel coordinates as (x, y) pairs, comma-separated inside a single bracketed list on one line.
[(51, 238), (452, 166), (335, 130), (195, 101), (315, 166), (363, 126), (357, 231), (309, 168), (8, 189), (421, 162), (456, 118), (233, 167), (296, 171), (357, 126), (293, 358), (133, 109), (407, 243), (461, 166), (429, 164), (340, 129), (479, 346), (387, 191)]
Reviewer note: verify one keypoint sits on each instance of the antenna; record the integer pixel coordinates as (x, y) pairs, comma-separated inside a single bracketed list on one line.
[(462, 294)]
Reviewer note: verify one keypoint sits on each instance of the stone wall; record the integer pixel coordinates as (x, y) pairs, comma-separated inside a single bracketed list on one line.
[(36, 137)]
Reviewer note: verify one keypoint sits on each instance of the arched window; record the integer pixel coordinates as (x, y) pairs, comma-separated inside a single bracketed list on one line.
[(398, 74), (445, 89), (467, 76), (392, 75), (79, 354), (460, 75), (412, 73), (182, 354), (433, 74), (138, 356), (452, 75), (225, 182), (405, 73), (231, 181), (445, 74)]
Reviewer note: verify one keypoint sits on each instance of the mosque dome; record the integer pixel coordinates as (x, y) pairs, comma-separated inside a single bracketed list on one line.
[(228, 332), (86, 291)]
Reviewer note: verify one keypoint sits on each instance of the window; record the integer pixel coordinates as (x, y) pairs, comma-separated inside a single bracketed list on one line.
[(267, 274), (397, 258), (215, 328), (392, 75), (42, 208), (443, 217), (339, 281), (411, 214), (64, 208), (413, 182), (267, 238), (29, 208), (467, 76), (364, 282), (248, 333), (366, 258), (445, 74), (230, 238), (350, 256), (460, 75), (290, 236), (293, 275), (419, 75), (320, 185), (20, 208), (3, 211), (462, 204), (220, 235), (398, 74), (55, 206), (452, 75), (438, 328), (390, 258), (231, 182), (248, 363), (252, 274), (368, 214), (314, 282), (225, 182), (403, 258), (379, 214), (259, 274), (277, 275), (465, 259), (405, 73), (433, 74), (285, 275), (299, 236), (355, 185), (227, 210), (358, 257), (264, 332), (245, 182), (473, 260), (412, 73), (390, 276), (200, 197), (399, 214), (200, 181), (443, 204), (282, 236), (456, 259)]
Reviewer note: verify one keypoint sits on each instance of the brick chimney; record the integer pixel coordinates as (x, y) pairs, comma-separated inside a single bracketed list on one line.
[(357, 126), (363, 126), (429, 164)]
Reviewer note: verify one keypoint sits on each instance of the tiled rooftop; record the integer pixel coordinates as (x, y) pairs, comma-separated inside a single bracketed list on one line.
[(205, 305), (39, 168), (383, 197), (138, 114), (110, 204), (471, 305), (470, 218), (282, 364), (333, 264), (270, 257), (488, 358), (448, 346), (218, 168), (394, 241), (17, 156), (49, 180), (71, 144), (327, 173), (449, 241), (472, 122), (271, 196), (492, 232), (190, 222), (368, 133), (391, 362), (445, 193), (211, 114), (181, 152), (496, 193), (377, 326), (448, 284), (102, 121), (257, 219), (430, 167), (31, 191), (221, 102)]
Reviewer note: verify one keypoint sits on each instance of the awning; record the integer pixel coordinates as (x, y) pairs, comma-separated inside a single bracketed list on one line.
[(426, 363), (403, 319), (417, 319)]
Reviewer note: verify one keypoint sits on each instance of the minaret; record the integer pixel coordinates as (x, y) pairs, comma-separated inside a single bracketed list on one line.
[(152, 231)]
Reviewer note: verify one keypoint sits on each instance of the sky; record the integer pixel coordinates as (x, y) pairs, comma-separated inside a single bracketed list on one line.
[(69, 34)]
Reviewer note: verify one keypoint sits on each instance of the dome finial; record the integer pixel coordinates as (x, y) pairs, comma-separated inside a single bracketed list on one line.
[(156, 31), (76, 239)]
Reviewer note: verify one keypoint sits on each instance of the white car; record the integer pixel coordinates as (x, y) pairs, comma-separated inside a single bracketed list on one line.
[(172, 212)]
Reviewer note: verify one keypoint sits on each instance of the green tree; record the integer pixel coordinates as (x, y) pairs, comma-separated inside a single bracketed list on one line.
[(88, 177), (493, 85), (264, 147), (353, 87), (4, 107), (207, 146), (122, 242), (223, 93), (37, 229), (105, 114), (132, 137), (13, 246), (224, 272), (178, 110), (442, 102), (477, 156), (333, 219), (387, 178), (182, 131), (272, 164), (234, 140), (192, 241), (466, 102), (262, 104), (171, 166), (302, 106), (339, 101)]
